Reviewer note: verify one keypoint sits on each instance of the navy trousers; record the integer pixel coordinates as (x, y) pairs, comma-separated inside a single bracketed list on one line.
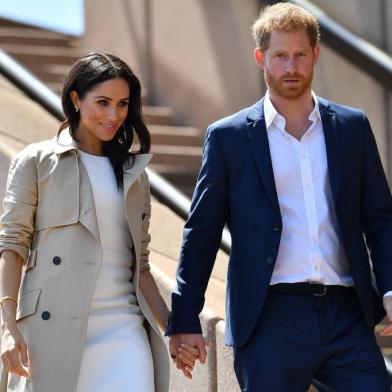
[(299, 338)]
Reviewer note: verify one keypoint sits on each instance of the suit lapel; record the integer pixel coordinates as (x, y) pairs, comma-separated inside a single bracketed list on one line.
[(332, 144), (257, 134)]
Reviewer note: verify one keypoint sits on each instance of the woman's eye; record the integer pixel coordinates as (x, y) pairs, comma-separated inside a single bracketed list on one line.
[(102, 103), (123, 104)]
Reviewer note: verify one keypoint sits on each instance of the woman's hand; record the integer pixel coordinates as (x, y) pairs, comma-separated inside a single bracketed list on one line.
[(14, 351), (188, 356)]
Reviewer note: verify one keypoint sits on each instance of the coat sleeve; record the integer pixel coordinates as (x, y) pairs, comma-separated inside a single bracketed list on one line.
[(201, 239), (20, 203), (144, 251), (376, 212)]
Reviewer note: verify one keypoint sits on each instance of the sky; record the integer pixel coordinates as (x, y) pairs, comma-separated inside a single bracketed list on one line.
[(66, 16)]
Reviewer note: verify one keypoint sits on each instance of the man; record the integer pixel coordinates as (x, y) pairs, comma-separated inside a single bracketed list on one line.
[(299, 181)]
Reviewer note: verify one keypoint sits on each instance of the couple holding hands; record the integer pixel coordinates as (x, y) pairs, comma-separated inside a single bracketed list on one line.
[(297, 179)]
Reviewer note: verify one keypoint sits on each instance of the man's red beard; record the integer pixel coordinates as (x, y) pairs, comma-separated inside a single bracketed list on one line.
[(284, 89)]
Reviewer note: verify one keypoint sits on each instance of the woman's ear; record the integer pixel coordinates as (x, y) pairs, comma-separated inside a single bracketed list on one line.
[(75, 99)]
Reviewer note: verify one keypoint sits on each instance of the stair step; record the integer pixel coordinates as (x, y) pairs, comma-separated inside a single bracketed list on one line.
[(177, 174), (50, 72), (31, 36), (177, 136), (56, 87), (159, 115), (29, 55), (12, 23), (183, 177), (186, 156)]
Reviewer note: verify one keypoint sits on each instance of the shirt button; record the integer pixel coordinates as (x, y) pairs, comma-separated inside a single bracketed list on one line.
[(56, 260), (270, 260), (45, 315)]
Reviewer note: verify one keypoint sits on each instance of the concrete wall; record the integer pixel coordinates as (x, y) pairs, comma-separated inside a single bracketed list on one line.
[(195, 56), (339, 80)]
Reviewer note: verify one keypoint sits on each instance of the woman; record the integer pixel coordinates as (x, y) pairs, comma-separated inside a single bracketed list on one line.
[(74, 239)]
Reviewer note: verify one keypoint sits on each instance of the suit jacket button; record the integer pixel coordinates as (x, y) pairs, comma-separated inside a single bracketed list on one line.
[(276, 228), (45, 315), (270, 260), (56, 260)]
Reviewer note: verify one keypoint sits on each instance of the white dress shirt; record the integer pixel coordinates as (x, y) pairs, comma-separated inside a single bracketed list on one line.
[(310, 249)]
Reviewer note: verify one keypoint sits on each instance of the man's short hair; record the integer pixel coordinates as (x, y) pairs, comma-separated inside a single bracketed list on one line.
[(284, 17)]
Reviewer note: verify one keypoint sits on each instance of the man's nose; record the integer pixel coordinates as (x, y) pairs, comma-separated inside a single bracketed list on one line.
[(291, 64)]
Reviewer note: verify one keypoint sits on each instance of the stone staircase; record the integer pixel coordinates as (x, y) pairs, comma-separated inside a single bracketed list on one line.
[(49, 55)]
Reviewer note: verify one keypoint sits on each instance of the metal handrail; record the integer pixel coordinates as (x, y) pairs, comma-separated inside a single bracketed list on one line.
[(370, 59), (162, 189)]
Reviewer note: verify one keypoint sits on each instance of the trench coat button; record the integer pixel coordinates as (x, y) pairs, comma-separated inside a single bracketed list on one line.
[(143, 216), (45, 315), (270, 260), (56, 260), (276, 228)]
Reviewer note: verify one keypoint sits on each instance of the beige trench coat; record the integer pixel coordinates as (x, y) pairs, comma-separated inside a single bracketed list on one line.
[(49, 212)]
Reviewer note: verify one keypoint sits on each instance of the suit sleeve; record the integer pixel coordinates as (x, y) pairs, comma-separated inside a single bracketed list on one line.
[(20, 203), (376, 211), (201, 239)]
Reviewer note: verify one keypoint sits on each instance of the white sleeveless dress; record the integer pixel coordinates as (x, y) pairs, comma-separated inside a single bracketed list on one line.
[(117, 355)]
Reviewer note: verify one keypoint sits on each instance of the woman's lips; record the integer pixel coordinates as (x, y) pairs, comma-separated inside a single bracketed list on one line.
[(109, 127)]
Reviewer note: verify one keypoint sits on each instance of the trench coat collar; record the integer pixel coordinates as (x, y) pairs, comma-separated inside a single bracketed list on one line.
[(65, 142), (132, 174)]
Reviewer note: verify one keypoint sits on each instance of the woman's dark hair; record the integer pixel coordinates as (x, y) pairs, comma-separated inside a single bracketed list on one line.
[(86, 73)]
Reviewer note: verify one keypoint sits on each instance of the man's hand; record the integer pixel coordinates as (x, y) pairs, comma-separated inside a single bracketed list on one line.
[(387, 331), (178, 347)]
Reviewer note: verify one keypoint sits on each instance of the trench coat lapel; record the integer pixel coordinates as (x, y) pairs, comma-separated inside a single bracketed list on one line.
[(134, 197), (82, 193), (87, 212), (132, 174)]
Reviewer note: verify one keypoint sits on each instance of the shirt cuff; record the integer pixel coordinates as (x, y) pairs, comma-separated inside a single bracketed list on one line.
[(387, 294)]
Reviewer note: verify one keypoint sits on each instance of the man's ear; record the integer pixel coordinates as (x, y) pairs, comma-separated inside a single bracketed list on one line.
[(316, 53), (259, 57)]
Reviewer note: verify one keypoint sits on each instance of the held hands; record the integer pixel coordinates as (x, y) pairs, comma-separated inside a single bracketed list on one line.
[(14, 351), (387, 331), (185, 348)]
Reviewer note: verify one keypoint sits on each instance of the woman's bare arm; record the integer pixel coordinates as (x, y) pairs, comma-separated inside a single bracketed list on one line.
[(154, 298), (12, 342)]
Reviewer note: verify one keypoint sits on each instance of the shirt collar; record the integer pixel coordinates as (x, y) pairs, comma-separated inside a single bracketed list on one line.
[(272, 116)]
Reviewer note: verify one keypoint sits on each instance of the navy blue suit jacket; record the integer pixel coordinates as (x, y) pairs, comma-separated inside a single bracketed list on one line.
[(236, 186)]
